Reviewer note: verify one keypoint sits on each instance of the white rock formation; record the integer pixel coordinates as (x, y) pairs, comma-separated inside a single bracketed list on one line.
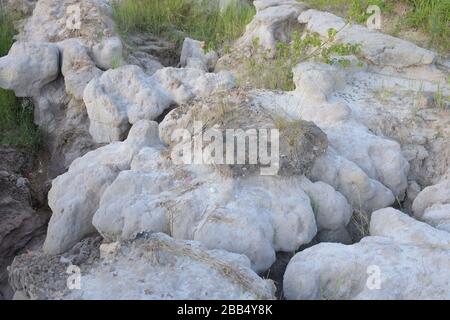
[(432, 205), (331, 208), (121, 97), (274, 21), (369, 170), (108, 53), (193, 56), (379, 48), (151, 267), (387, 53), (255, 216), (402, 259), (75, 195), (403, 229), (28, 67), (436, 194), (187, 83), (35, 70), (162, 268), (77, 67), (56, 20)]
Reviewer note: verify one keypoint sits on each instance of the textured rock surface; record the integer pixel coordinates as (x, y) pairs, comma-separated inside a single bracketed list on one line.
[(108, 53), (384, 51), (28, 67), (121, 97), (274, 21), (187, 83), (432, 205), (352, 140), (369, 170), (299, 144), (88, 177), (410, 257), (22, 6), (193, 56), (150, 267), (20, 224), (255, 216), (51, 21), (77, 67)]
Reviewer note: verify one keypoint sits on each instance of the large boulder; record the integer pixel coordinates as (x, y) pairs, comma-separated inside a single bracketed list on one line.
[(57, 20), (255, 216), (120, 98), (28, 67), (432, 205), (77, 67), (88, 177), (402, 259), (108, 53), (193, 56), (151, 267)]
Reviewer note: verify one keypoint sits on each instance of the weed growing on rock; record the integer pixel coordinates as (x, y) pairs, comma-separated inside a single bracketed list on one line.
[(16, 115), (441, 102), (265, 69)]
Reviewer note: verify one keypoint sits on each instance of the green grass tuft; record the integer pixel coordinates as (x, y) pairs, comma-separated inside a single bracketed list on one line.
[(432, 17), (16, 115), (176, 19)]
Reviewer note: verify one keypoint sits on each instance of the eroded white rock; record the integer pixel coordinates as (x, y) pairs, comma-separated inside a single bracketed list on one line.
[(28, 67), (274, 21), (121, 97), (369, 170), (378, 48), (187, 83), (254, 216), (75, 195), (77, 67), (108, 53), (193, 56), (436, 194), (402, 259), (150, 267), (432, 205)]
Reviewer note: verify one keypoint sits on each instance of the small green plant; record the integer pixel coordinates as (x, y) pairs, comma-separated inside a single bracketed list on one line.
[(441, 101), (265, 69), (384, 93), (16, 115), (116, 62), (418, 99)]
